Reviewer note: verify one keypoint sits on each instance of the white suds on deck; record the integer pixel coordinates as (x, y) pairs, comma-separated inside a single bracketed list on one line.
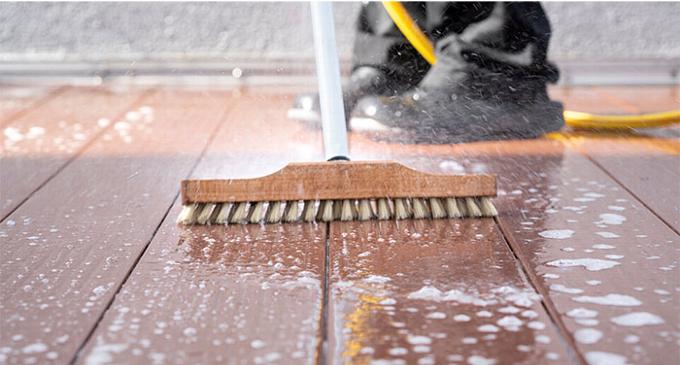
[(607, 234), (588, 263), (558, 234), (582, 313), (605, 358), (611, 219), (587, 335), (637, 319), (620, 300)]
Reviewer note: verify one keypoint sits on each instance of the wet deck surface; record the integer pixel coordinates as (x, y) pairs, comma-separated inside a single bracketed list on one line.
[(581, 266)]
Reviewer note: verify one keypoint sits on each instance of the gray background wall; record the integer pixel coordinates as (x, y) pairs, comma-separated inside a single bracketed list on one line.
[(95, 32)]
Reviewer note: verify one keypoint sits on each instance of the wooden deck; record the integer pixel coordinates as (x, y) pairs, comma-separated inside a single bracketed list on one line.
[(580, 267)]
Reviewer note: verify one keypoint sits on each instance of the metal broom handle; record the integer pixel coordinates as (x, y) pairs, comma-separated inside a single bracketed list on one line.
[(330, 89)]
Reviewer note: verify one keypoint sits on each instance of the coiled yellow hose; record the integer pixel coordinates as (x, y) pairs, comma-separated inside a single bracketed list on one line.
[(423, 45)]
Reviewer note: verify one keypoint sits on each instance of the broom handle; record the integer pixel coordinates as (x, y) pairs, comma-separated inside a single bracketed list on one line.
[(330, 89)]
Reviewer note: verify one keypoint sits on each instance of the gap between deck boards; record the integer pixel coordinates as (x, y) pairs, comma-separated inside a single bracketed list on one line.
[(546, 302), (322, 351)]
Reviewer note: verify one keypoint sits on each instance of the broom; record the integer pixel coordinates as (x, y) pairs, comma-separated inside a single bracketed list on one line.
[(338, 189)]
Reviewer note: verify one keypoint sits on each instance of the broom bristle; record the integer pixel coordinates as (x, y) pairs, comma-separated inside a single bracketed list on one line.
[(488, 209), (240, 213), (420, 208), (309, 211), (274, 212), (348, 212), (291, 213), (256, 213), (186, 216), (207, 211), (383, 209), (215, 212), (222, 216), (401, 209), (452, 208), (472, 208), (462, 208), (336, 210), (365, 210), (325, 213), (437, 208)]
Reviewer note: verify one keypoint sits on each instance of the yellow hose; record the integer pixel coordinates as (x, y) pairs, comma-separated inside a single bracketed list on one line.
[(586, 120), (423, 45), (410, 30)]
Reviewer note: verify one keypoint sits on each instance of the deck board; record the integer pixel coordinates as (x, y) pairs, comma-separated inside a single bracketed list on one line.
[(442, 291), (637, 163), (43, 140), (644, 99), (590, 100), (241, 294), (16, 100), (69, 247), (618, 99)]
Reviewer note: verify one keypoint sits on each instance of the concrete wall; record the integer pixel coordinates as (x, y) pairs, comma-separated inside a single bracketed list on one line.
[(583, 32)]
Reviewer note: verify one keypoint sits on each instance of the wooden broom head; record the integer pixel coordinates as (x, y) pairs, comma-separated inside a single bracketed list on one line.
[(363, 189)]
